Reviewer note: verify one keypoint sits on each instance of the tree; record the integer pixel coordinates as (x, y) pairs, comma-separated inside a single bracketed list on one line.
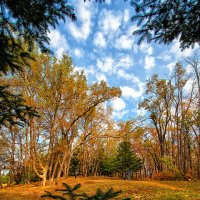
[(21, 25), (74, 164), (72, 195), (126, 160), (21, 28), (62, 98), (158, 104), (163, 21), (12, 108), (108, 166)]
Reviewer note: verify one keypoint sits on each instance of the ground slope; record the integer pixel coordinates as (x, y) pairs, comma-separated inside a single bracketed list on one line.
[(171, 190)]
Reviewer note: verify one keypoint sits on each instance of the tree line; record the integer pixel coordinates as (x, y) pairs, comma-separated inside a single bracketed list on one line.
[(75, 134)]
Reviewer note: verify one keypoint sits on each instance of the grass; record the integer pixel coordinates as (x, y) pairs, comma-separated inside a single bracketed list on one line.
[(155, 190)]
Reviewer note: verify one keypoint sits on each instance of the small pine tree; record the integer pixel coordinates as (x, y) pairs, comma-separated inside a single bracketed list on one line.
[(71, 192), (108, 166), (68, 190), (126, 159), (74, 164)]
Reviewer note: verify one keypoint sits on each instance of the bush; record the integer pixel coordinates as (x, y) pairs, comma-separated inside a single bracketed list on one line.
[(169, 176)]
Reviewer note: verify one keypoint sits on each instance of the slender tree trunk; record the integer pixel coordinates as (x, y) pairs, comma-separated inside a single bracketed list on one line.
[(1, 186)]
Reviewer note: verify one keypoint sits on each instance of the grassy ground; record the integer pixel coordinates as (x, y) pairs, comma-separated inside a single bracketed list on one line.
[(165, 190)]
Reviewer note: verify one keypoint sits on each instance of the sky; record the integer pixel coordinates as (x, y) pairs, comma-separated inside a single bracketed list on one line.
[(101, 43)]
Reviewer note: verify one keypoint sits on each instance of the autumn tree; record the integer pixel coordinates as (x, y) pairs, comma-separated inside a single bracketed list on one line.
[(158, 104), (62, 99), (171, 135), (193, 113)]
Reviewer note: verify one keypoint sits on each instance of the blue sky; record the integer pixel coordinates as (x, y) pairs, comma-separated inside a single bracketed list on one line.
[(101, 43)]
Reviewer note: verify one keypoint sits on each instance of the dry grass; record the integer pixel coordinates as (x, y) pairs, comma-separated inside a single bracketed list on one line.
[(170, 190)]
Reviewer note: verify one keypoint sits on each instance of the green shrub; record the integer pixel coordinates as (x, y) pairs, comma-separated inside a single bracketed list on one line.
[(70, 192)]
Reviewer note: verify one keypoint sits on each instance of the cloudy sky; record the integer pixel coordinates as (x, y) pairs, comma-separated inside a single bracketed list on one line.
[(101, 43)]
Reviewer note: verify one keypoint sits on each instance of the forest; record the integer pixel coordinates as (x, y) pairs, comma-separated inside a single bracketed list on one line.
[(56, 124), (75, 133)]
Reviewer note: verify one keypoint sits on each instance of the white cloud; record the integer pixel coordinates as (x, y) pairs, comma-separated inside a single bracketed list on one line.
[(82, 30), (124, 42), (59, 52), (149, 62), (146, 48), (128, 92), (131, 29), (125, 61), (171, 66), (188, 86), (109, 21), (126, 15), (175, 50), (164, 56), (118, 104), (78, 52), (99, 40), (141, 111), (88, 71), (189, 69), (123, 74), (100, 77), (105, 65), (127, 76), (108, 1), (58, 42), (120, 114)]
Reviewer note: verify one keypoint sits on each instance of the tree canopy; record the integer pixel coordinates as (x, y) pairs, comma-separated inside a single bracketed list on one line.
[(19, 24), (163, 21), (20, 29)]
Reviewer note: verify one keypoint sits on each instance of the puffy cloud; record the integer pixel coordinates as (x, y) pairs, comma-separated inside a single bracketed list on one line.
[(124, 42), (164, 57), (125, 61), (175, 50), (188, 86), (189, 69), (87, 70), (58, 42), (109, 21), (106, 64), (118, 104), (171, 66), (82, 30), (123, 74), (127, 76), (108, 1), (78, 52), (126, 15), (59, 52), (120, 114), (128, 92), (141, 111), (146, 48), (149, 62), (99, 40), (131, 29), (100, 77)]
